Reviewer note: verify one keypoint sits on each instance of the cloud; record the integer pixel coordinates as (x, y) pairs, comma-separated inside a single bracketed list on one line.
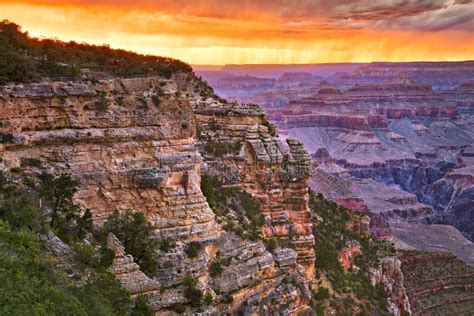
[(454, 17), (265, 31)]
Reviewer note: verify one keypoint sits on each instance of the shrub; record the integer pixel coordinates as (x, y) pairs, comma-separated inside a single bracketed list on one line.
[(104, 295), (156, 100), (322, 294), (166, 245), (88, 257), (213, 125), (57, 193), (137, 236), (193, 249), (102, 103), (271, 128), (85, 255), (106, 258), (208, 299), (270, 244), (26, 59), (207, 189), (191, 292), (26, 287), (119, 99), (84, 224), (6, 138), (142, 307), (215, 269), (30, 162), (17, 208), (228, 298)]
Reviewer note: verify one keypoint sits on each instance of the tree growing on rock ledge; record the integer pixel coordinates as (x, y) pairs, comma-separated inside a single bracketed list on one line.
[(137, 236)]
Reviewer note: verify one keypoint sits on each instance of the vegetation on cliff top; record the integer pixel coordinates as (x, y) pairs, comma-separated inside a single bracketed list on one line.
[(26, 59)]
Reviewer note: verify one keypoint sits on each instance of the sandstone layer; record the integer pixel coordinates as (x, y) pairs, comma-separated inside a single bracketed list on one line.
[(126, 152)]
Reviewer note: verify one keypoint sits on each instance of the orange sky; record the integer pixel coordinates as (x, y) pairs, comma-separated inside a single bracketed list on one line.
[(261, 31)]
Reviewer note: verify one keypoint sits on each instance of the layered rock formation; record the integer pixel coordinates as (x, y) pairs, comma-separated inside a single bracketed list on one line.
[(392, 140), (131, 144), (263, 168), (126, 151), (438, 283)]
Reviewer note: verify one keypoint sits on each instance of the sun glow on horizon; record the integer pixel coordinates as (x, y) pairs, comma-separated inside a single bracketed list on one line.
[(234, 40)]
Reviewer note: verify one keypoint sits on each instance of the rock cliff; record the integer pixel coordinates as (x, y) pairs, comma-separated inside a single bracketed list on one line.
[(132, 144), (126, 151), (260, 165)]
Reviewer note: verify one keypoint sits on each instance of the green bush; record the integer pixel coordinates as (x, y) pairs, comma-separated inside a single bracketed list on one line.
[(6, 138), (243, 204), (17, 208), (228, 298), (213, 125), (137, 236), (193, 249), (57, 194), (166, 245), (26, 287), (104, 295), (142, 307), (322, 294), (270, 244), (207, 299), (215, 269), (156, 100), (207, 189), (30, 283), (30, 162), (102, 104), (191, 292), (119, 99), (331, 235)]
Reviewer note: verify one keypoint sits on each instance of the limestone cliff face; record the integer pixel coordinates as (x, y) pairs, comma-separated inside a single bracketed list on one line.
[(132, 144), (263, 167), (127, 151)]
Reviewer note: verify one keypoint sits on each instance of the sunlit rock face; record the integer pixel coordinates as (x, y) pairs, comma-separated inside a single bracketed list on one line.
[(133, 144), (126, 151), (277, 175)]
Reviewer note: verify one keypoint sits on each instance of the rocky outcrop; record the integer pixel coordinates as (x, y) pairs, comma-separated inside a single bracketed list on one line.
[(348, 254), (126, 151), (453, 196), (131, 143), (128, 272), (389, 274), (258, 281), (276, 176)]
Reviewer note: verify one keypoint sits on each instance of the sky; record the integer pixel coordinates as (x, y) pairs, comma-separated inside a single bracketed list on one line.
[(218, 32)]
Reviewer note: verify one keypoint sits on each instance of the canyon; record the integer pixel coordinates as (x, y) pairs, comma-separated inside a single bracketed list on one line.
[(396, 128), (146, 144), (304, 207), (392, 141)]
